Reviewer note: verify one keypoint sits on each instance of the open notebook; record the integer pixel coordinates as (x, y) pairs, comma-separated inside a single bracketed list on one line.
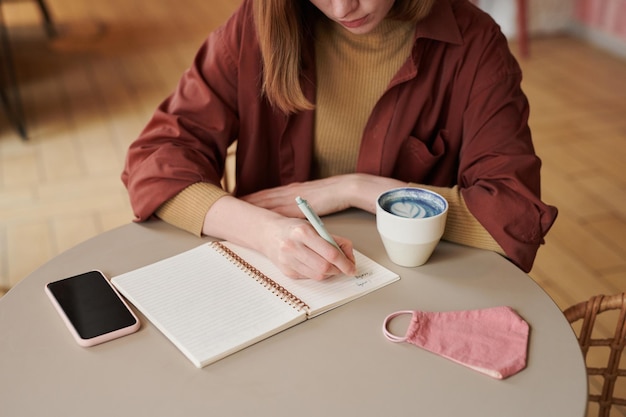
[(218, 298)]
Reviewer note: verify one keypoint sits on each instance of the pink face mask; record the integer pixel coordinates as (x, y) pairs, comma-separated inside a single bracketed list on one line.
[(493, 341)]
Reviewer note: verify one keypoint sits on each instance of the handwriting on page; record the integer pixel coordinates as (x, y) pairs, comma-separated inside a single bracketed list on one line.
[(361, 279)]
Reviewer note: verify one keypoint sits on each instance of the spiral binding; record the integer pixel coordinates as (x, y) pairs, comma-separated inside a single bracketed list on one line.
[(261, 278)]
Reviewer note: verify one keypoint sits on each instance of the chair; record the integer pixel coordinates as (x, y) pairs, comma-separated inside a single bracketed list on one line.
[(589, 312), (522, 26), (45, 14), (9, 91)]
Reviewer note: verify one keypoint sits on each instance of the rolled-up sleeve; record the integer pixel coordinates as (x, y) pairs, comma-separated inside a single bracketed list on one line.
[(186, 140), (499, 172)]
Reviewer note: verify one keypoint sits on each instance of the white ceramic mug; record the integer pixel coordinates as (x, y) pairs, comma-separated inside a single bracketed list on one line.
[(410, 222)]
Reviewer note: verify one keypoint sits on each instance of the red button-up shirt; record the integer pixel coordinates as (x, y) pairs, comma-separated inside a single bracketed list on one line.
[(454, 114)]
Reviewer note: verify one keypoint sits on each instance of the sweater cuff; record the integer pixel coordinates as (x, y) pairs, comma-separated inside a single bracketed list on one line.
[(461, 225), (187, 209)]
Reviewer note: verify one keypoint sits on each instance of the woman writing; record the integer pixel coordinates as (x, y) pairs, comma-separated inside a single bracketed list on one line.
[(337, 101)]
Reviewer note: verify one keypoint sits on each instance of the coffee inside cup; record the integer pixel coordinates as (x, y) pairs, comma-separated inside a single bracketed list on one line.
[(405, 204)]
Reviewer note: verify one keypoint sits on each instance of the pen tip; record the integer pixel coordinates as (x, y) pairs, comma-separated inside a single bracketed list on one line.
[(298, 199)]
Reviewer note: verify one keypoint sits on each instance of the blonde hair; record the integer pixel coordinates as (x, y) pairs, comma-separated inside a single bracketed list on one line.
[(281, 25)]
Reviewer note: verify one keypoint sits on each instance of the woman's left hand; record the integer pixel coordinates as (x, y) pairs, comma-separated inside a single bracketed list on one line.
[(325, 196)]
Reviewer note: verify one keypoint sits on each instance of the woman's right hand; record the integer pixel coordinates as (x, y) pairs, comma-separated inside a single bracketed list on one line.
[(292, 244)]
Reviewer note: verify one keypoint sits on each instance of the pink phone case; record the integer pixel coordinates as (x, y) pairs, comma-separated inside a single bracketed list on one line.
[(98, 339)]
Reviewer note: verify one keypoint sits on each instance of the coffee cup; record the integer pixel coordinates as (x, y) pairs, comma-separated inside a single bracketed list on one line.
[(410, 222)]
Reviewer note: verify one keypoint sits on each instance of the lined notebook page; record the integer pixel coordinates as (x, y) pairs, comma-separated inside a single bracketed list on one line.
[(322, 296), (207, 306)]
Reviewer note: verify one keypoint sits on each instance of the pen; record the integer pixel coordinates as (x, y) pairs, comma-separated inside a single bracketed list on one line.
[(315, 220)]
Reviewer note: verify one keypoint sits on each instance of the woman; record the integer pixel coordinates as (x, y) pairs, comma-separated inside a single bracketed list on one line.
[(338, 101)]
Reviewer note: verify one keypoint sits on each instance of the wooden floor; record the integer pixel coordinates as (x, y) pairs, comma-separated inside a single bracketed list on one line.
[(87, 94)]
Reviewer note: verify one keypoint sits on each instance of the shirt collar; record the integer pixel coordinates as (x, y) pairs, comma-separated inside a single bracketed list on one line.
[(440, 24)]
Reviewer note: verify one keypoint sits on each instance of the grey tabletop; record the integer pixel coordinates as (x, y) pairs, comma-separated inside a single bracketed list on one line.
[(336, 364)]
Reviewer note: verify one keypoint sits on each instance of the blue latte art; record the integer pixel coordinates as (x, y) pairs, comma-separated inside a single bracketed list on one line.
[(412, 209), (412, 203)]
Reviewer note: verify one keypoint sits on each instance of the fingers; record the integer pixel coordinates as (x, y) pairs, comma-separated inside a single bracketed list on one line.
[(274, 200), (305, 271), (282, 199), (348, 252), (306, 264), (313, 257)]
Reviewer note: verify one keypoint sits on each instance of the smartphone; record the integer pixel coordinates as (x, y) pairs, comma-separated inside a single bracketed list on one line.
[(92, 308)]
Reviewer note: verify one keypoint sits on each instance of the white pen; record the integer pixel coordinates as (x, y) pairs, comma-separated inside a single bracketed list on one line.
[(315, 220)]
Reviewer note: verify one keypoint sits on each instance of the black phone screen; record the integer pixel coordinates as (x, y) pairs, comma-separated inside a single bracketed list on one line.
[(91, 304)]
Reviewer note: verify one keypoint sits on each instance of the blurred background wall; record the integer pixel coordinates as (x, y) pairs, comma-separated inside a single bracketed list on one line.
[(602, 22)]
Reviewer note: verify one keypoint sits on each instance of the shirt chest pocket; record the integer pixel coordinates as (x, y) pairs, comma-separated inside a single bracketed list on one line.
[(417, 159)]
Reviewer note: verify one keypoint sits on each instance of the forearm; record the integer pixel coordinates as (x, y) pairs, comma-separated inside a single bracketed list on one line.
[(206, 209), (232, 219)]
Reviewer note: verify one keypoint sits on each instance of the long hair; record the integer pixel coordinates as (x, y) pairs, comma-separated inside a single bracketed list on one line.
[(281, 25)]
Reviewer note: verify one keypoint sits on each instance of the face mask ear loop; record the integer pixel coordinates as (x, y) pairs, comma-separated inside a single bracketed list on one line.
[(387, 333)]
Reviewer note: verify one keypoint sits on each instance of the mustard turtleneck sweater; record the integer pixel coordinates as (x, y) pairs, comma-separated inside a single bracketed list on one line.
[(353, 71)]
